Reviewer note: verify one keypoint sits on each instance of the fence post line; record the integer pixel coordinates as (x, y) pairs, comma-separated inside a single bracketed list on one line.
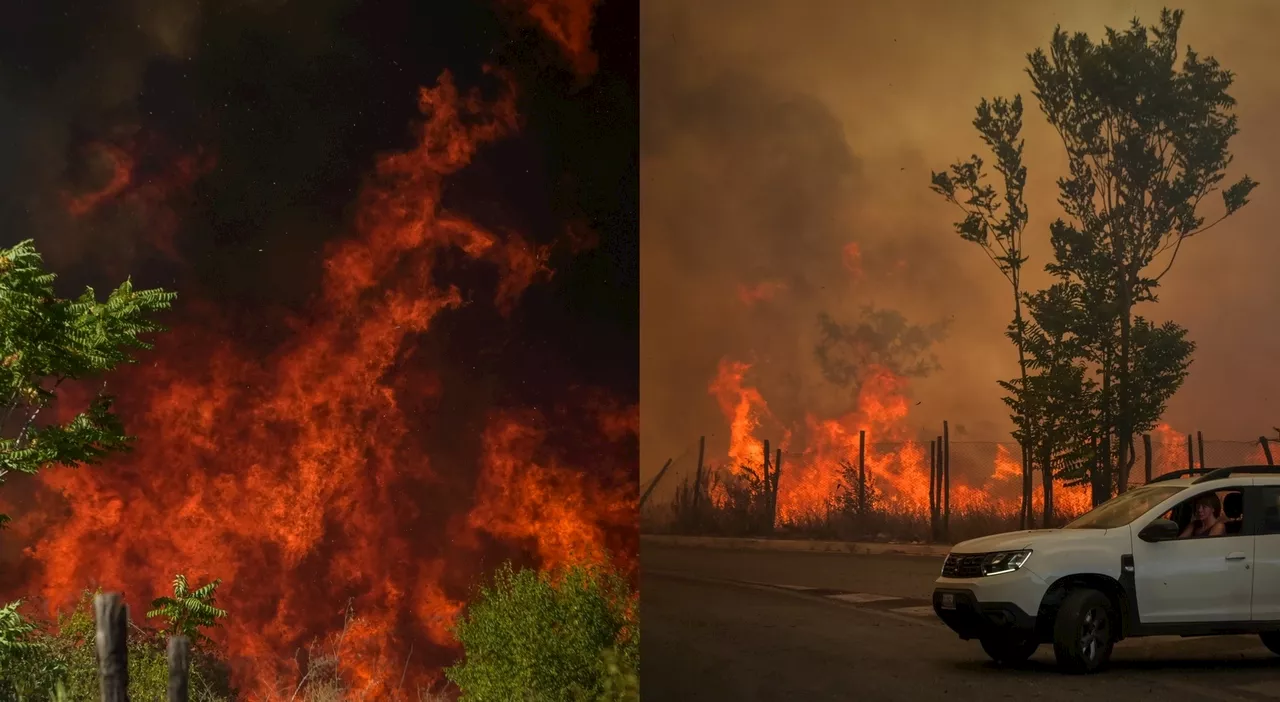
[(1146, 456), (946, 480), (1191, 455), (1200, 443), (179, 668), (111, 622), (697, 479), (862, 474), (1266, 450)]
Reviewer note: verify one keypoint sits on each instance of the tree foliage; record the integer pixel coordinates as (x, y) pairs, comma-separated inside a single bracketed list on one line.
[(189, 610), (878, 338), (996, 224), (1146, 143), (46, 340), (59, 661), (570, 634), (1146, 137), (1055, 397)]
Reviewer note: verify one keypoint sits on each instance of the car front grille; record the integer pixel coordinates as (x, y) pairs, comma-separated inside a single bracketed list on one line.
[(963, 565)]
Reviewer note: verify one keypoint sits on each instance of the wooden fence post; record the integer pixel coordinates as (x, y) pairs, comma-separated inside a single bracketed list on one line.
[(1146, 456), (937, 499), (862, 473), (773, 493), (946, 481), (933, 491), (769, 525), (1200, 444), (697, 477), (179, 668), (1266, 450), (111, 618), (1191, 455)]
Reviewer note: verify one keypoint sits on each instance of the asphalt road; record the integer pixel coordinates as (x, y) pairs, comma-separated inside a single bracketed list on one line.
[(762, 626)]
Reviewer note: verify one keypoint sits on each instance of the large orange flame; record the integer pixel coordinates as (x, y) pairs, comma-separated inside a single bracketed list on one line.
[(302, 479), (985, 478)]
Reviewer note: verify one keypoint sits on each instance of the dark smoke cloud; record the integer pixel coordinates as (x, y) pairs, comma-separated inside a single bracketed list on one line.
[(775, 135), (139, 76), (751, 198)]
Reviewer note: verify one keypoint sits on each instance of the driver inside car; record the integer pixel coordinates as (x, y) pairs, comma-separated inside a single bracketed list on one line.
[(1207, 518)]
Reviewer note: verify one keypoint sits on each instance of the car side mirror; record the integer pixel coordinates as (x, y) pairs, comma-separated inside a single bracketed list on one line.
[(1159, 530)]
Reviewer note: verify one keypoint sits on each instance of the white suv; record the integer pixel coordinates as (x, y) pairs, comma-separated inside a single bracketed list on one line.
[(1145, 563)]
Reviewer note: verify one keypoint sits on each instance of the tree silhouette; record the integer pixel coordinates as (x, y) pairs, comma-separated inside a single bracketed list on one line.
[(1146, 143), (998, 228)]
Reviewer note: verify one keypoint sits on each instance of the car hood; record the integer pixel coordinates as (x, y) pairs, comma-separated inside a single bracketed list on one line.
[(1018, 540)]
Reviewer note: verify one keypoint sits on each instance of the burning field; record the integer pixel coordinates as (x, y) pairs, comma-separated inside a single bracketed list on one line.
[(802, 285), (376, 449), (986, 476)]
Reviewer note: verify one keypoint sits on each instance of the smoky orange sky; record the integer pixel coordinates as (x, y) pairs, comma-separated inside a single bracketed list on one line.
[(775, 133)]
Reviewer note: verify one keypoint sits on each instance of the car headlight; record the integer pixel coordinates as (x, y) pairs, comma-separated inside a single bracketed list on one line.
[(1004, 562)]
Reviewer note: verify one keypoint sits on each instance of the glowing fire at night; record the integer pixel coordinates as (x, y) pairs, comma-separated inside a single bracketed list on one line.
[(122, 184), (303, 478), (568, 23)]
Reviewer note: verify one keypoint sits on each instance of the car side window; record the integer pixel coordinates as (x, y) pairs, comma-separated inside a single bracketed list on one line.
[(1270, 509), (1200, 515)]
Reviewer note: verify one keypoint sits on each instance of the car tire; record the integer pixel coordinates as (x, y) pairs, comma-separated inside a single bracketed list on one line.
[(1084, 631), (1271, 640), (1009, 650)]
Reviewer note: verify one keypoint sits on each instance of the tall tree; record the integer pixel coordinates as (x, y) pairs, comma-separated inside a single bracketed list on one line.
[(46, 340), (1146, 142), (995, 223)]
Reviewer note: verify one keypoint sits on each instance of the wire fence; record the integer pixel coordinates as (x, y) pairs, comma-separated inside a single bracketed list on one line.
[(919, 491)]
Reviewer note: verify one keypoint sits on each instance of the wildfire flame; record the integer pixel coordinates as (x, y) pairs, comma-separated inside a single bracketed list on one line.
[(303, 478), (568, 23), (896, 462), (851, 256), (126, 187), (749, 295)]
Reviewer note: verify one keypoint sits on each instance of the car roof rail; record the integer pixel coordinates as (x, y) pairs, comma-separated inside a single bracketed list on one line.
[(1220, 473), (1180, 474)]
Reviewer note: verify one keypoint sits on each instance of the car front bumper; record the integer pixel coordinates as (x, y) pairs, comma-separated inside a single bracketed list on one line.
[(972, 619), (996, 605)]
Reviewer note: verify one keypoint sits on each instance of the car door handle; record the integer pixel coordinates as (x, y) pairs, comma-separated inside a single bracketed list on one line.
[(1236, 556)]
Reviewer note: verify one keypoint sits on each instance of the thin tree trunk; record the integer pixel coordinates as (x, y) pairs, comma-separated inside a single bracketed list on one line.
[(1046, 474), (1027, 443), (1102, 486), (1124, 423)]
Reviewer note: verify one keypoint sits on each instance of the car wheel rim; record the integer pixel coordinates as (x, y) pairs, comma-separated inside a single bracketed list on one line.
[(1094, 632)]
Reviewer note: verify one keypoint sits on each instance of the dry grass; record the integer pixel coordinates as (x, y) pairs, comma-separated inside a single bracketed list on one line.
[(321, 681), (741, 510)]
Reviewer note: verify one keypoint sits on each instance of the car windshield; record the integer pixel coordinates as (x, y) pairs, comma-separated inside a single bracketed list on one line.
[(1125, 508)]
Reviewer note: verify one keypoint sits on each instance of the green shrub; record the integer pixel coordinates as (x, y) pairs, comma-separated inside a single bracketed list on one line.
[(60, 662), (620, 679), (27, 666), (571, 634)]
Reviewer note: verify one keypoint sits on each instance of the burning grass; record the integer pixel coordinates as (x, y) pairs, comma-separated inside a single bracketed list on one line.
[(571, 633), (816, 493), (732, 505)]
